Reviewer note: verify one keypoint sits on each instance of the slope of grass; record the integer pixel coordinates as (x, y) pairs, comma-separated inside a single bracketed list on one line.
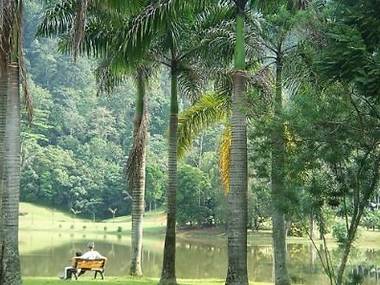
[(39, 218)]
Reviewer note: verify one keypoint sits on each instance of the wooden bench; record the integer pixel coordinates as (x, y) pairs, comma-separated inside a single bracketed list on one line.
[(96, 265)]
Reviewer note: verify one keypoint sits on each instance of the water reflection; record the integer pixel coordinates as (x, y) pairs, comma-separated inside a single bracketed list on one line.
[(194, 260)]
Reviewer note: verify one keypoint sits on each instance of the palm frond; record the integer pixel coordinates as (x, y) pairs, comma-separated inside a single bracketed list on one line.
[(218, 38), (158, 18), (210, 109), (134, 161), (225, 158), (123, 6), (191, 81), (222, 81), (134, 41), (136, 157), (58, 19), (262, 80), (217, 44), (108, 77), (111, 72)]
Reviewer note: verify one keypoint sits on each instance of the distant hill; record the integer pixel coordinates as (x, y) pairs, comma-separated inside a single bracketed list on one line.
[(35, 217)]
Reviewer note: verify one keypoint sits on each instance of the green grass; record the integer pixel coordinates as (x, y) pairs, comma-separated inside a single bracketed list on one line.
[(43, 218), (128, 280)]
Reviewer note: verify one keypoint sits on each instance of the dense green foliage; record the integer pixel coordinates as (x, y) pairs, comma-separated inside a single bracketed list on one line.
[(74, 152)]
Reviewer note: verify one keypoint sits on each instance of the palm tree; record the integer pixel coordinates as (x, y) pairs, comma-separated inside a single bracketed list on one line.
[(12, 73), (136, 172), (108, 77), (212, 109), (237, 196)]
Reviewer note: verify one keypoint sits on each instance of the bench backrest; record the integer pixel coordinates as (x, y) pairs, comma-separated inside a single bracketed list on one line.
[(89, 263)]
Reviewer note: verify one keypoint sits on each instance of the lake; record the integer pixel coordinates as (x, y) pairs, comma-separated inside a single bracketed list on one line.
[(46, 253)]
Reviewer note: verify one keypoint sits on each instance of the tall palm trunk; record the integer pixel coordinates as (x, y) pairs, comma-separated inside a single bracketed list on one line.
[(11, 263), (278, 185), (3, 108), (237, 196), (5, 10), (137, 179), (168, 268)]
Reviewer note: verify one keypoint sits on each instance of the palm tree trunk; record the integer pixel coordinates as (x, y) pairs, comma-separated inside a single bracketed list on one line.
[(168, 276), (237, 196), (11, 274), (4, 57), (3, 107), (278, 186), (138, 181)]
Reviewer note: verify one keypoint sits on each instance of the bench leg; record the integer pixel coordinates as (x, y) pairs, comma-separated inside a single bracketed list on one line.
[(75, 275), (96, 273), (81, 272), (102, 274)]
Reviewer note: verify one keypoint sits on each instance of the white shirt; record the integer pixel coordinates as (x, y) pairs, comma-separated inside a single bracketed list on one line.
[(92, 254)]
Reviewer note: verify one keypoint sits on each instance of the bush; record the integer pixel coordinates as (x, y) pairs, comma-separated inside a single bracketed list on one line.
[(72, 227), (339, 232), (119, 229), (84, 227), (297, 230), (372, 220), (105, 229)]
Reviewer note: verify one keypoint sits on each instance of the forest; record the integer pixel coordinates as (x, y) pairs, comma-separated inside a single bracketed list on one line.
[(256, 120)]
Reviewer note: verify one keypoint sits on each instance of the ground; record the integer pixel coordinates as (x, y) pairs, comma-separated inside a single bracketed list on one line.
[(128, 280)]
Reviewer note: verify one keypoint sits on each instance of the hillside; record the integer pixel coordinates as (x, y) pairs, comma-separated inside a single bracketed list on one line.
[(35, 217)]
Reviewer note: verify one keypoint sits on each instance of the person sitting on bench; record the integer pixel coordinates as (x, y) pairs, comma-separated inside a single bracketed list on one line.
[(70, 269), (92, 253)]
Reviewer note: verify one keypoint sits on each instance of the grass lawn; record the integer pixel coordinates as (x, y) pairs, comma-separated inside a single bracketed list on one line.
[(39, 218), (128, 280)]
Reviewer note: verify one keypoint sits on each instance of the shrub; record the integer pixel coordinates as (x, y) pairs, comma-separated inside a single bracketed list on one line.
[(105, 229), (372, 220), (84, 227), (339, 232), (72, 227), (297, 230), (119, 229)]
